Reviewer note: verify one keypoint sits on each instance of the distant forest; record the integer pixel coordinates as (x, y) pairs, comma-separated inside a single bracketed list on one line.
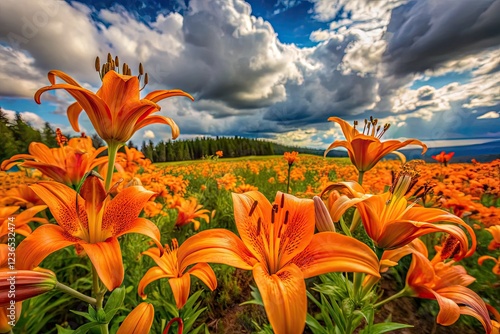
[(16, 135)]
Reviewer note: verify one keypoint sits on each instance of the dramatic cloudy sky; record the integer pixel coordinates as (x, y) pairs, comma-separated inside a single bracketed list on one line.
[(272, 69)]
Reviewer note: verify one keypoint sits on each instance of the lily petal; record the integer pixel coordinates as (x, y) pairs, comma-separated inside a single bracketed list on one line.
[(153, 274), (121, 213), (180, 289), (334, 252), (62, 202), (107, 259), (159, 95), (145, 227), (157, 119), (45, 240), (205, 273), (284, 297), (247, 224), (215, 246)]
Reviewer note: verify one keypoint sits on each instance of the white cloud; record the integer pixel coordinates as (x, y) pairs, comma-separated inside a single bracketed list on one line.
[(489, 115), (31, 118), (148, 134)]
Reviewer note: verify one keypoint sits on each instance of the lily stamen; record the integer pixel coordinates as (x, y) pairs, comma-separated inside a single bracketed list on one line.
[(252, 209)]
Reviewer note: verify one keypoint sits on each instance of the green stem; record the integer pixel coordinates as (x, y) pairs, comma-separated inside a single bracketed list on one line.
[(288, 182), (402, 293), (357, 286), (72, 292), (112, 150), (360, 177), (99, 296)]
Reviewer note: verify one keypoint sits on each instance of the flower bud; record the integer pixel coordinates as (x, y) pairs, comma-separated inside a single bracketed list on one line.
[(138, 321), (324, 222), (27, 284)]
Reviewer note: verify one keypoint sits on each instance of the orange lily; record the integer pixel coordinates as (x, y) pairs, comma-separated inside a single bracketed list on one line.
[(443, 157), (279, 245), (291, 157), (391, 222), (21, 195), (219, 154), (496, 268), (365, 148), (116, 110), (66, 164), (447, 283), (91, 221), (495, 232), (188, 211), (172, 267), (138, 321), (20, 221)]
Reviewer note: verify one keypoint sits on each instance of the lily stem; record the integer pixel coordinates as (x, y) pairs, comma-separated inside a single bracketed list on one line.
[(99, 296), (112, 150), (400, 294), (360, 177), (72, 292), (288, 182)]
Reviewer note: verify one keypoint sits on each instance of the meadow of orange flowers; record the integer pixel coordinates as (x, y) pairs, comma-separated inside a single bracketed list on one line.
[(101, 232)]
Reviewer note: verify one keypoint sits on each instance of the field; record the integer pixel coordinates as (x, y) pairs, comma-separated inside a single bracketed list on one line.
[(191, 197)]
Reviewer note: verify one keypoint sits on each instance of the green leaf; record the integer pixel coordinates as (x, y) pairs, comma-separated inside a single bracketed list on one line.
[(115, 300), (83, 329), (87, 316), (384, 327), (62, 330), (101, 316), (114, 303), (314, 325)]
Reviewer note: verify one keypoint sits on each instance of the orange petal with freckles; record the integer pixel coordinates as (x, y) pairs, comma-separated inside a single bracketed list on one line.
[(121, 213), (180, 289), (215, 246), (106, 257), (151, 275), (247, 224), (61, 201), (205, 273), (334, 252), (45, 240), (299, 229), (284, 298)]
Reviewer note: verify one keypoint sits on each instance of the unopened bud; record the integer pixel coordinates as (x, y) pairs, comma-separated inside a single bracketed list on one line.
[(324, 222)]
